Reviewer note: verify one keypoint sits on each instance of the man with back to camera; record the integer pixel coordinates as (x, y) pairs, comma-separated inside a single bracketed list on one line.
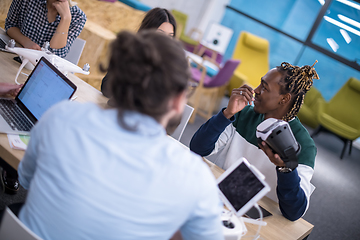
[(96, 173), (231, 134)]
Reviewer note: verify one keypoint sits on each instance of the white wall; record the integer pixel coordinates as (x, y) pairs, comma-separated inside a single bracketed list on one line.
[(200, 12)]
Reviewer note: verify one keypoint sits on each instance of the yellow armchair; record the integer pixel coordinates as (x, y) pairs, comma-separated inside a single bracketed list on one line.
[(308, 113), (253, 52), (341, 115), (181, 19)]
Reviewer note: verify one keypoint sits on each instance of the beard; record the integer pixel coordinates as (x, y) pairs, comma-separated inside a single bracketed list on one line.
[(173, 124)]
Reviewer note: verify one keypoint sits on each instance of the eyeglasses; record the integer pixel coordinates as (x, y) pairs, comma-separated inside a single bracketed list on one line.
[(191, 87)]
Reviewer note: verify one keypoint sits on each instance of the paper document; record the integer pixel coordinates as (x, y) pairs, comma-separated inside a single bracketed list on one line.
[(18, 142)]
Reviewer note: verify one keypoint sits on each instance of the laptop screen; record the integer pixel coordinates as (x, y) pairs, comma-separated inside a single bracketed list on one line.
[(44, 88)]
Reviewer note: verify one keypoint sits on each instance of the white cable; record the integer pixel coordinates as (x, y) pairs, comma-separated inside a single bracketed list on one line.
[(257, 235)]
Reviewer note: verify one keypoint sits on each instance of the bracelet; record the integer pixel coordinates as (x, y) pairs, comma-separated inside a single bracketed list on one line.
[(62, 32)]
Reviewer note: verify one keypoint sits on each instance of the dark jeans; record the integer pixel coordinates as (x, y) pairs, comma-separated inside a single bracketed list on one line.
[(11, 172)]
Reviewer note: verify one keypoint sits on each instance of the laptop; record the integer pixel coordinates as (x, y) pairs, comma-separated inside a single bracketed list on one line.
[(45, 86), (4, 39), (184, 120)]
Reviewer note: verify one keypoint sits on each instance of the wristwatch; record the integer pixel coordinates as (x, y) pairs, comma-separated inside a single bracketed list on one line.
[(283, 169)]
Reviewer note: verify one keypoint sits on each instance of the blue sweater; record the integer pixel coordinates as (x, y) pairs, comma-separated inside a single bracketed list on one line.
[(230, 139)]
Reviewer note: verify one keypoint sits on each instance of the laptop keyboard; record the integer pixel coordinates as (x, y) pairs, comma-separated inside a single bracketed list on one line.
[(13, 116), (2, 44)]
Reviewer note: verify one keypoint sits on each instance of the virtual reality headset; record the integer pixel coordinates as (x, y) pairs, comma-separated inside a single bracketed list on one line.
[(278, 135)]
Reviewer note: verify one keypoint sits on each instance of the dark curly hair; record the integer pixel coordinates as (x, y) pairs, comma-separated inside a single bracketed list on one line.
[(145, 70), (296, 81)]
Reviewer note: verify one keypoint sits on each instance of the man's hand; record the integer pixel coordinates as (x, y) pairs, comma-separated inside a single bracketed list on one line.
[(274, 157), (9, 88), (240, 97), (63, 8)]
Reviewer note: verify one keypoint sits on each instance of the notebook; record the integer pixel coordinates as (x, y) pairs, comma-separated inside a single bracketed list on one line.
[(45, 86)]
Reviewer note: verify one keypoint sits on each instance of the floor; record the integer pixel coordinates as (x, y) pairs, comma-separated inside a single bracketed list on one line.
[(333, 207)]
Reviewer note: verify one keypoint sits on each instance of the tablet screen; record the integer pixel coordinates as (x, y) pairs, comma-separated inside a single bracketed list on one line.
[(240, 186)]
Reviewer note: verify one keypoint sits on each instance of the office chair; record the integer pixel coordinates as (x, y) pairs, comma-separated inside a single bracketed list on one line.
[(253, 52), (308, 113), (210, 90), (75, 51), (181, 19), (340, 116), (13, 229)]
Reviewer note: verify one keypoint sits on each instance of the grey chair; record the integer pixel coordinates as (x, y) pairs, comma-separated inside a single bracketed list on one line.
[(12, 228), (75, 51)]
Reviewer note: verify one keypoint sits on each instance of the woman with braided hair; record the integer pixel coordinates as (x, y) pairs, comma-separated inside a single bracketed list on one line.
[(231, 134)]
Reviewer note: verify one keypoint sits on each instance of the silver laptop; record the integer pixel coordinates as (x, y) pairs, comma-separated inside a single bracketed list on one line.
[(4, 39), (184, 120), (45, 86)]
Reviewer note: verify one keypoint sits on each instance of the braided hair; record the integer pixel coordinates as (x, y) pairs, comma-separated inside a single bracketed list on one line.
[(296, 81)]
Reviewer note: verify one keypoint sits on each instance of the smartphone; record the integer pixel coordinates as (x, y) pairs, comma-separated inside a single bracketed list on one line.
[(254, 213)]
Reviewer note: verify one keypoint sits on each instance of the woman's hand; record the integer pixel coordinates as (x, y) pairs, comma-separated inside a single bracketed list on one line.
[(63, 8)]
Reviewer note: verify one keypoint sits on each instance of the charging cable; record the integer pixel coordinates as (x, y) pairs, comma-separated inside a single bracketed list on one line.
[(258, 221)]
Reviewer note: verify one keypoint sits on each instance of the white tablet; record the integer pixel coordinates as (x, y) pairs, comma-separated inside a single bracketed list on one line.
[(241, 186)]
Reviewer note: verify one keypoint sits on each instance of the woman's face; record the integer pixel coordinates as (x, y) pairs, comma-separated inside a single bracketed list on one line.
[(166, 28)]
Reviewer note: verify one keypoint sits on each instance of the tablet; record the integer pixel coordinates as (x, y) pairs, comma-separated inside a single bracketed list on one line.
[(241, 186)]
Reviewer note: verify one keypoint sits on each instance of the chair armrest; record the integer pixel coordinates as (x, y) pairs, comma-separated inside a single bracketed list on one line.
[(196, 30), (212, 61), (202, 68)]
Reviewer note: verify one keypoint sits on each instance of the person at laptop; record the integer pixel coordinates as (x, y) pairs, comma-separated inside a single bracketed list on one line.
[(95, 173), (8, 174), (231, 134), (9, 89), (160, 19), (34, 22)]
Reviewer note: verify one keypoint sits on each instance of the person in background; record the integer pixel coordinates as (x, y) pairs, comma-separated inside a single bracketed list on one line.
[(34, 22), (231, 134), (12, 90), (157, 18), (95, 173)]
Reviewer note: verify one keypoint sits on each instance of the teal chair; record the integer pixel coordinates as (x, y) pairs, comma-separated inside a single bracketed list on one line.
[(341, 115)]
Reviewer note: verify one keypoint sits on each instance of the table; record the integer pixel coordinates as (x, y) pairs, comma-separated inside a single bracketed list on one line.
[(278, 227), (8, 70)]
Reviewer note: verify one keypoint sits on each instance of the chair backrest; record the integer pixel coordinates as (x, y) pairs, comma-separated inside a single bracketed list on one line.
[(253, 51), (224, 73), (75, 51), (13, 229), (181, 19), (344, 106), (184, 120), (312, 96)]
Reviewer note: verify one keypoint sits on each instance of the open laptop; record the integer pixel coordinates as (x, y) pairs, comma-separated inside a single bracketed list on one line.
[(184, 120), (4, 39), (45, 86)]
